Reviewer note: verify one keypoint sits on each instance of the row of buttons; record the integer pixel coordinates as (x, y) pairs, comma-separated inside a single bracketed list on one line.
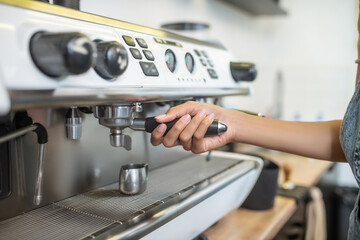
[(206, 62), (137, 55), (203, 53), (148, 68), (130, 41)]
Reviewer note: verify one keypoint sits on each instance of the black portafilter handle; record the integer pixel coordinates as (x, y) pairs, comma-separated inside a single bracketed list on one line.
[(216, 128)]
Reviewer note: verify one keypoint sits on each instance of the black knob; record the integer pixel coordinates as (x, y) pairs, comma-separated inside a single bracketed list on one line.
[(243, 71), (62, 54), (112, 59)]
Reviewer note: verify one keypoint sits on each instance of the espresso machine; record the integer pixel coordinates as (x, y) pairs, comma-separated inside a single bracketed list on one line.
[(77, 95)]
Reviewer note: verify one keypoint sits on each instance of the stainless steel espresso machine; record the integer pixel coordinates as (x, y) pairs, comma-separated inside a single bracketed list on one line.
[(76, 93)]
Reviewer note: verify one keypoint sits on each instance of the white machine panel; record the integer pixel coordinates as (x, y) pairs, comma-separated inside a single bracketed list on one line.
[(19, 68)]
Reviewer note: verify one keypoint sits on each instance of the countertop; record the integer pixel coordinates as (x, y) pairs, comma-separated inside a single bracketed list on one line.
[(249, 224)]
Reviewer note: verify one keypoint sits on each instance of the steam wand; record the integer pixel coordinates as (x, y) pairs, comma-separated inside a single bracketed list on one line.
[(25, 124)]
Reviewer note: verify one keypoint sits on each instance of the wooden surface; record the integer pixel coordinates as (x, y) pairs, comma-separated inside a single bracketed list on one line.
[(249, 224)]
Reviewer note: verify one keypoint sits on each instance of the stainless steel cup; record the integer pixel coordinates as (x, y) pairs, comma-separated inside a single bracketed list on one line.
[(133, 178)]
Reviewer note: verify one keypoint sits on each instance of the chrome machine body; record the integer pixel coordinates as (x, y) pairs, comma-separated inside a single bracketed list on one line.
[(73, 78)]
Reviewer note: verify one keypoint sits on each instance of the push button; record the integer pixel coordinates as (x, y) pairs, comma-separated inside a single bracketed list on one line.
[(197, 53), (203, 62), (149, 69), (204, 54), (211, 64), (141, 42), (129, 40), (148, 54), (212, 73), (135, 53)]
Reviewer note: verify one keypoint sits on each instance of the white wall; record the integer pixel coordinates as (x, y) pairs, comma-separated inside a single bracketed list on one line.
[(313, 47)]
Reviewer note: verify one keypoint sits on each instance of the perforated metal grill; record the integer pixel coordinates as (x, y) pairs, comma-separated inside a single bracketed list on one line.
[(51, 222), (79, 216)]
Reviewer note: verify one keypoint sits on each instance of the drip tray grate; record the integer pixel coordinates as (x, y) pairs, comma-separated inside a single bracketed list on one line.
[(51, 222), (85, 214)]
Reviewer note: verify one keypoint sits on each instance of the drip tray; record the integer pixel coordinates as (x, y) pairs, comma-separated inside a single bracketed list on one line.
[(90, 214)]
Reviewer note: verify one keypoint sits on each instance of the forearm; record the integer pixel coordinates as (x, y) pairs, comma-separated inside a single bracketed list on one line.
[(318, 140), (311, 139)]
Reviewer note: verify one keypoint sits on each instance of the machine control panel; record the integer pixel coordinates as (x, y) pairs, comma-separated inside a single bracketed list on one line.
[(75, 55), (62, 54)]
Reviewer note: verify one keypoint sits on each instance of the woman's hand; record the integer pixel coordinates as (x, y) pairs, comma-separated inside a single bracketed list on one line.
[(311, 139), (190, 132)]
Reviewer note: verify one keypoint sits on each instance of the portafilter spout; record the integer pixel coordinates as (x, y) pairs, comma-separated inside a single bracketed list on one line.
[(117, 117)]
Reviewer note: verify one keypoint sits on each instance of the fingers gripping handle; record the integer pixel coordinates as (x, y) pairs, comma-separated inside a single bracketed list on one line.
[(216, 128)]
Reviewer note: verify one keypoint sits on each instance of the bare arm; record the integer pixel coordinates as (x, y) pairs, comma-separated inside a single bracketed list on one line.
[(312, 139)]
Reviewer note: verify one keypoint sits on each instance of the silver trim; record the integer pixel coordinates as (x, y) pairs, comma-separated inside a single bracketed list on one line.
[(138, 124), (222, 127), (21, 99)]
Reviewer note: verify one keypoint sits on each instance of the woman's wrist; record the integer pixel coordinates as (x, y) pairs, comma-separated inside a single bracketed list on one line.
[(236, 122)]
